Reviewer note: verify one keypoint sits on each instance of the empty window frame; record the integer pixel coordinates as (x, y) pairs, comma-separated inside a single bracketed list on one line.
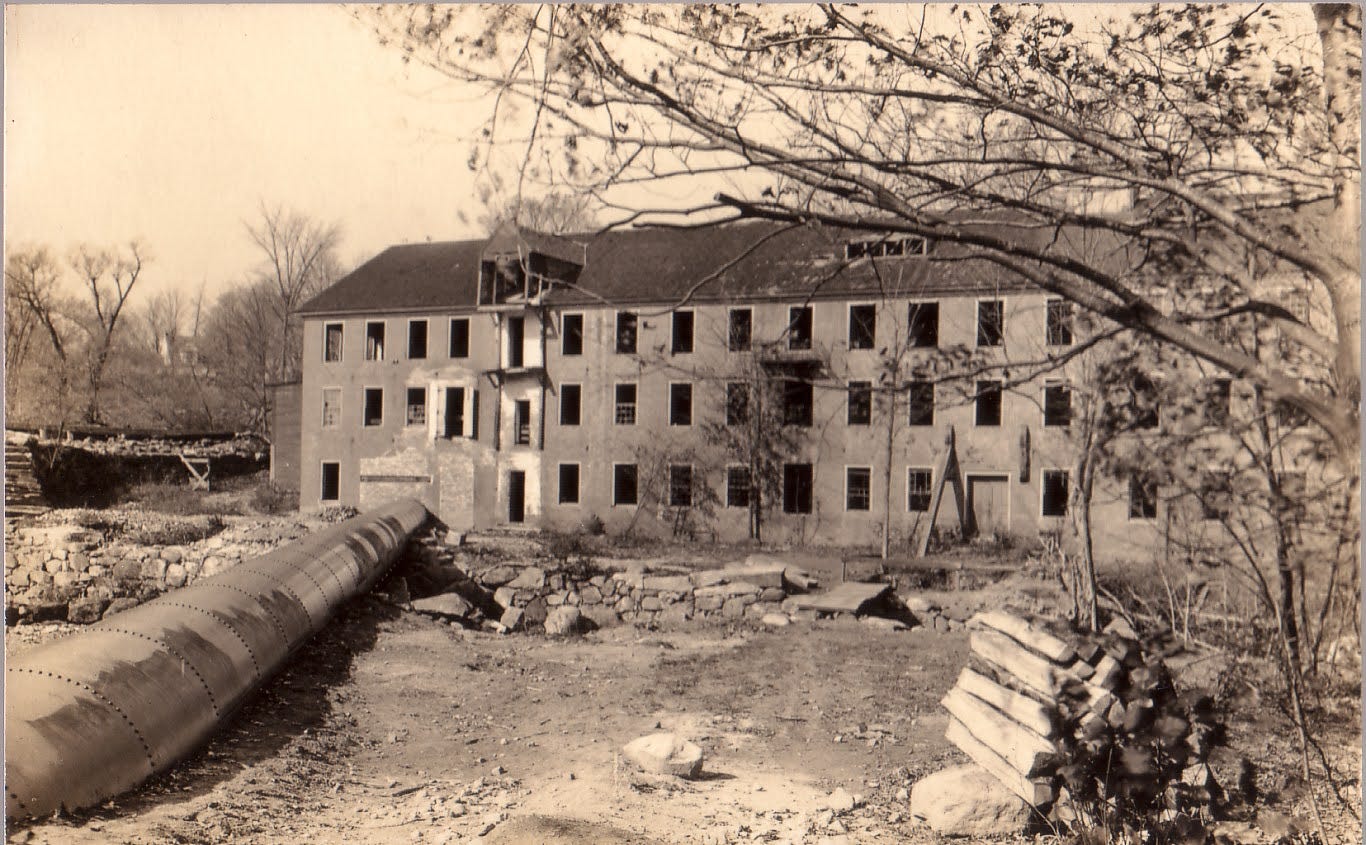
[(1142, 497), (332, 342), (571, 334), (627, 334), (737, 487), (798, 402), (625, 410), (374, 341), (373, 405), (624, 486), (332, 407), (569, 484), (331, 482), (1057, 404), (797, 484), (1215, 495), (920, 398), (415, 408), (417, 339), (516, 341), (860, 403), (521, 422), (919, 489), (1147, 410), (680, 403), (571, 404), (680, 486), (799, 329), (987, 409), (460, 337), (681, 336), (991, 322), (858, 490), (922, 324), (885, 247), (862, 326), (1054, 492), (1058, 323), (1218, 399), (1289, 416), (737, 403), (455, 412), (740, 329)]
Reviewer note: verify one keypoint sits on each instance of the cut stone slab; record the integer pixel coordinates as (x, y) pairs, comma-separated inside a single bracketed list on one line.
[(446, 604), (966, 801), (530, 578), (512, 618), (849, 597), (665, 754), (775, 620)]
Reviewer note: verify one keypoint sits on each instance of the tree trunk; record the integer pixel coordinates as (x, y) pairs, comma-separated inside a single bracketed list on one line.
[(887, 477)]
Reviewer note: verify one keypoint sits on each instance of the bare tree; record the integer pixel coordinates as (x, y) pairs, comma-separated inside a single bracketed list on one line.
[(109, 276), (1189, 136), (553, 213), (161, 319), (32, 275), (299, 258), (242, 345)]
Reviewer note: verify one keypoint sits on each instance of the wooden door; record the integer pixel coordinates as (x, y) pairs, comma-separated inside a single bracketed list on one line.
[(989, 504), (517, 496)]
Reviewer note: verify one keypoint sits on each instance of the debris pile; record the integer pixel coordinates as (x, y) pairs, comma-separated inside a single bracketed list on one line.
[(1069, 722)]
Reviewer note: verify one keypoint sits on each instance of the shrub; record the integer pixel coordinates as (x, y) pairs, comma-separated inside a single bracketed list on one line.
[(269, 498), (592, 525), (176, 533), (337, 513)]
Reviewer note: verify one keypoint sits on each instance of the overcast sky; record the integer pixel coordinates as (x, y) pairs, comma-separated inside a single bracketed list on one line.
[(172, 123)]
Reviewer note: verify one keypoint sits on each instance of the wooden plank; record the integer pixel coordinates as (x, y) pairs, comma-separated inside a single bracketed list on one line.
[(849, 597), (945, 472), (1036, 793), (1022, 632), (1025, 751), (1023, 709)]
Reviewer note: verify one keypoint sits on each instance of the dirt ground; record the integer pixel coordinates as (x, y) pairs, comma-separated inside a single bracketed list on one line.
[(392, 727)]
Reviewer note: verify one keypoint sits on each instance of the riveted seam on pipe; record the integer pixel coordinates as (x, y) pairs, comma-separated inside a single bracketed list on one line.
[(282, 587), (274, 620), (147, 749), (256, 665), (171, 650)]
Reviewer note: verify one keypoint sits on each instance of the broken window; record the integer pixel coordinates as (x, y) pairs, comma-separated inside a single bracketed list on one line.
[(332, 399), (571, 404), (858, 488), (920, 396), (625, 405), (682, 333), (741, 329), (1147, 412), (1290, 416), (923, 324), (332, 342), (623, 484), (374, 341), (680, 404), (1058, 329), (737, 403), (862, 326), (516, 341), (860, 403), (331, 482), (417, 339), (680, 486), (626, 333), (991, 322), (797, 483), (799, 327), (1215, 496), (1142, 497), (798, 402), (890, 247), (416, 406), (374, 407), (1055, 492), (919, 489), (988, 405), (569, 484), (521, 422), (571, 334), (460, 337), (737, 487), (1057, 404)]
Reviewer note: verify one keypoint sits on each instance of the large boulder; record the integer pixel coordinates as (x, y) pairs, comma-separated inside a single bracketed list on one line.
[(665, 754), (446, 604), (563, 620), (966, 801)]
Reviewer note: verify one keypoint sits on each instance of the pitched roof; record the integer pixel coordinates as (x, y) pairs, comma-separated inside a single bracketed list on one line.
[(408, 277), (735, 261)]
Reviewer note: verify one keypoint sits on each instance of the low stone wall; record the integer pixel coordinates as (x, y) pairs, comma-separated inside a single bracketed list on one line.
[(636, 595), (68, 573)]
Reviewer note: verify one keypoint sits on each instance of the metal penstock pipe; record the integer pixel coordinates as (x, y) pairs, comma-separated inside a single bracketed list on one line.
[(92, 715)]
